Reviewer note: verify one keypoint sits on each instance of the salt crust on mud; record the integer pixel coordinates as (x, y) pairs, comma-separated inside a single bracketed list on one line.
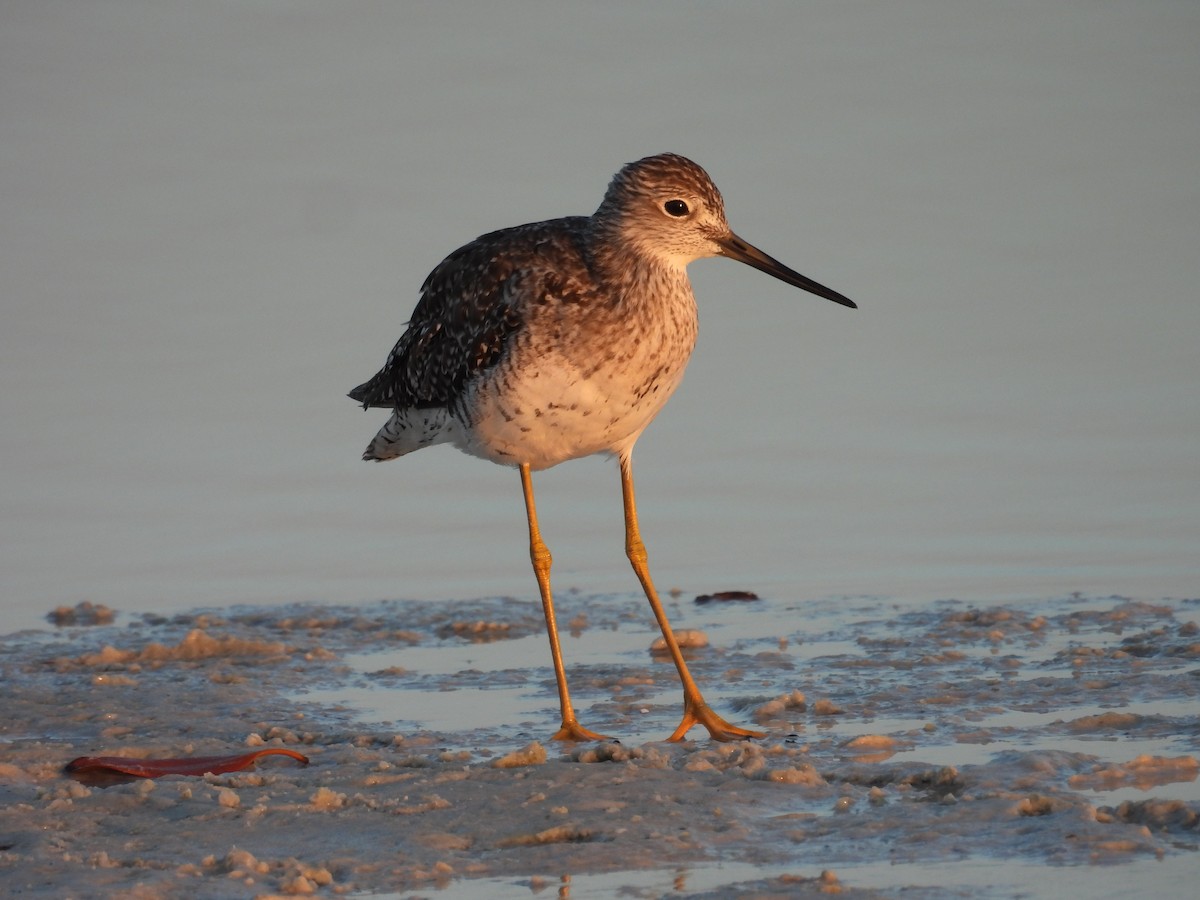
[(1048, 711)]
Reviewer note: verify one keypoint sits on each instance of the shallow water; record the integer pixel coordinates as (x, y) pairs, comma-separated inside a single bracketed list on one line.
[(217, 220), (1040, 749), (996, 879)]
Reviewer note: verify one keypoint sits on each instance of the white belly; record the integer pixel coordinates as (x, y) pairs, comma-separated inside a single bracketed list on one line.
[(544, 409), (552, 415)]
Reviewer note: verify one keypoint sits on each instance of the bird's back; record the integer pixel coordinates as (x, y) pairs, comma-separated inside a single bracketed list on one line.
[(471, 306)]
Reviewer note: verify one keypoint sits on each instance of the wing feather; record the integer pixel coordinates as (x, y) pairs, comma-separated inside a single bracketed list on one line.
[(471, 307)]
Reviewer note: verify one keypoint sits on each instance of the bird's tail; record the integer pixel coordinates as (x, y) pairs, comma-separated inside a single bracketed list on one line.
[(408, 430)]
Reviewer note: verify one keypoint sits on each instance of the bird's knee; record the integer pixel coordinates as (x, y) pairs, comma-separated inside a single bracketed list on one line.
[(539, 555), (636, 551)]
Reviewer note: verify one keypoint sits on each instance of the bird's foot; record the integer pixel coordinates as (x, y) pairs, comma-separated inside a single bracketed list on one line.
[(573, 731), (697, 712)]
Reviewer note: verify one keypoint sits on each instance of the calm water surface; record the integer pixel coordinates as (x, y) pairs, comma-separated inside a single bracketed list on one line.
[(216, 221)]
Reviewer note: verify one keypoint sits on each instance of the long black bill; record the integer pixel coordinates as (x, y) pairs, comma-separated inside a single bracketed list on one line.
[(735, 248)]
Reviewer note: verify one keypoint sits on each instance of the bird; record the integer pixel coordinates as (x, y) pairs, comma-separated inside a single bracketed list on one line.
[(542, 343)]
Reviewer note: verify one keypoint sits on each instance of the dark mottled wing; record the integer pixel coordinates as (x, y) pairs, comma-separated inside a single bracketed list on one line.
[(471, 306)]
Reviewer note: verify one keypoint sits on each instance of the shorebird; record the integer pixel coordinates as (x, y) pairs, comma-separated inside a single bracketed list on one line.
[(560, 339)]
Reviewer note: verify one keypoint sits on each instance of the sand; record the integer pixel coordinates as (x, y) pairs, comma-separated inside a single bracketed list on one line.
[(1044, 748)]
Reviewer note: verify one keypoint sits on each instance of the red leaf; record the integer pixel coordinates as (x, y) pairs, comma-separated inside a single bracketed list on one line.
[(188, 765)]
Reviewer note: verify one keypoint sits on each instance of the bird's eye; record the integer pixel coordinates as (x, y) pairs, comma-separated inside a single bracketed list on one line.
[(676, 208)]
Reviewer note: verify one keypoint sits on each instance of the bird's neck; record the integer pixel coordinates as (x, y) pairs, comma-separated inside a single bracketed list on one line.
[(630, 269)]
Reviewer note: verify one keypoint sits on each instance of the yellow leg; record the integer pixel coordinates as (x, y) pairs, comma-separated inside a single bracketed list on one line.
[(695, 710), (571, 729)]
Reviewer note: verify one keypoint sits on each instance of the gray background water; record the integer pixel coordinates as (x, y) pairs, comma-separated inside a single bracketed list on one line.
[(216, 218)]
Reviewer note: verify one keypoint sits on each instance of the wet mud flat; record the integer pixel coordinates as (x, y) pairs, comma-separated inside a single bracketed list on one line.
[(1046, 748)]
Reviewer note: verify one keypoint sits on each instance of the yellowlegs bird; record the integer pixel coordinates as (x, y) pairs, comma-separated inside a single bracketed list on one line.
[(556, 340)]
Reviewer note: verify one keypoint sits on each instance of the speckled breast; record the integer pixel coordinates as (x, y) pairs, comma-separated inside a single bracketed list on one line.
[(588, 384)]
